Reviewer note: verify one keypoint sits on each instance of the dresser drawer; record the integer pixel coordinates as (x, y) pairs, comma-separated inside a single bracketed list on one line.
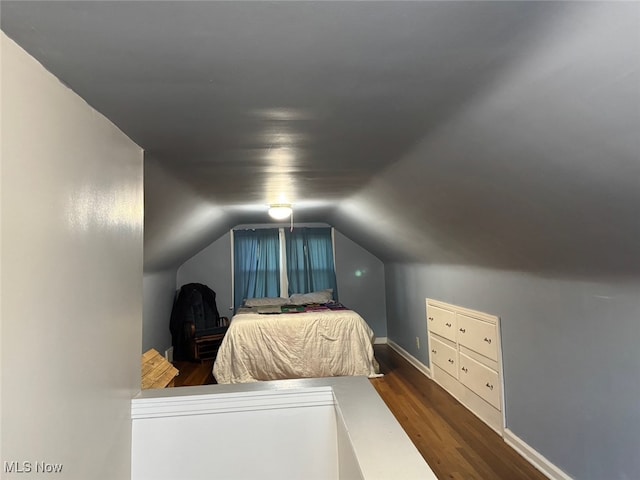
[(481, 380), (442, 322), (444, 356), (478, 335)]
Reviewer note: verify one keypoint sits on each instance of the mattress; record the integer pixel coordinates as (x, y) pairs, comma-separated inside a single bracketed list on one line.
[(304, 344)]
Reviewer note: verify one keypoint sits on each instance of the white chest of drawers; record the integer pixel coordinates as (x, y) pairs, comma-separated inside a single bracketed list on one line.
[(466, 358)]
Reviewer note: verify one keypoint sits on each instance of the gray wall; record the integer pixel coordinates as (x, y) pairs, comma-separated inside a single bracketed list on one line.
[(570, 353), (159, 289), (212, 267), (72, 218), (364, 293), (360, 277)]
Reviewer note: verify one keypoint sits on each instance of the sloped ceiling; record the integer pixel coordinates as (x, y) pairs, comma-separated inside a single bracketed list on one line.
[(503, 134)]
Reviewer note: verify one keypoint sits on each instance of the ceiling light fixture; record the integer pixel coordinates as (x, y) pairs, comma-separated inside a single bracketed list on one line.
[(280, 211)]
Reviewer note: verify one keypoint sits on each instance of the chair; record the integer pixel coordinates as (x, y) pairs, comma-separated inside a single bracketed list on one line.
[(197, 329)]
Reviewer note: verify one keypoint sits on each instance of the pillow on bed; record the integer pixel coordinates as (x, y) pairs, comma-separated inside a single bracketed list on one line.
[(265, 302), (324, 296)]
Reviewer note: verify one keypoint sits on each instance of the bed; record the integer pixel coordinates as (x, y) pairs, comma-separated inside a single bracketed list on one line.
[(273, 342)]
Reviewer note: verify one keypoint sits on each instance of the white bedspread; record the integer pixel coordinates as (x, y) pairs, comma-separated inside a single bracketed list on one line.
[(295, 345)]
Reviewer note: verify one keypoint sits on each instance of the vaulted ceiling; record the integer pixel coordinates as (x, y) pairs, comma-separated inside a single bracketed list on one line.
[(503, 134)]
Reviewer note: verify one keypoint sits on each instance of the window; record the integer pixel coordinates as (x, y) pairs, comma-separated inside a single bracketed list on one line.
[(310, 265), (256, 264), (306, 255)]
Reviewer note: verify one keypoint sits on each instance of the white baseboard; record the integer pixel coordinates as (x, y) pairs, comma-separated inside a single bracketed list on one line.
[(422, 368), (533, 456), (528, 453), (168, 354), (380, 341)]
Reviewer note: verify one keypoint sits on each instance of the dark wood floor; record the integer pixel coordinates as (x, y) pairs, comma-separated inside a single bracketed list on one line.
[(192, 374), (453, 441), (450, 438)]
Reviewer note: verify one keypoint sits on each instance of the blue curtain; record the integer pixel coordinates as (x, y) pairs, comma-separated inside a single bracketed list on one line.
[(256, 264), (310, 265)]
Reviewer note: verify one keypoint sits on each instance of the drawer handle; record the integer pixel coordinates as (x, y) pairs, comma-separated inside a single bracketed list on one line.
[(465, 369), (488, 340), (490, 386), (434, 351), (448, 324), (450, 361), (463, 330)]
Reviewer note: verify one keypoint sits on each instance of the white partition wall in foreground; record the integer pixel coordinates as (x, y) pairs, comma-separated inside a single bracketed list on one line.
[(332, 428)]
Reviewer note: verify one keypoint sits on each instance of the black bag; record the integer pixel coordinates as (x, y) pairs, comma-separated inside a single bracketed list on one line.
[(195, 314)]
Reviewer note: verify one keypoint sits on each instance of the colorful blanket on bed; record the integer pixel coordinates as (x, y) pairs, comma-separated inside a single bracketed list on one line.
[(277, 309)]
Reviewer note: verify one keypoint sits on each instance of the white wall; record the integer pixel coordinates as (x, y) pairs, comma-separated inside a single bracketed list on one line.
[(72, 211), (159, 289), (272, 436), (284, 429)]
